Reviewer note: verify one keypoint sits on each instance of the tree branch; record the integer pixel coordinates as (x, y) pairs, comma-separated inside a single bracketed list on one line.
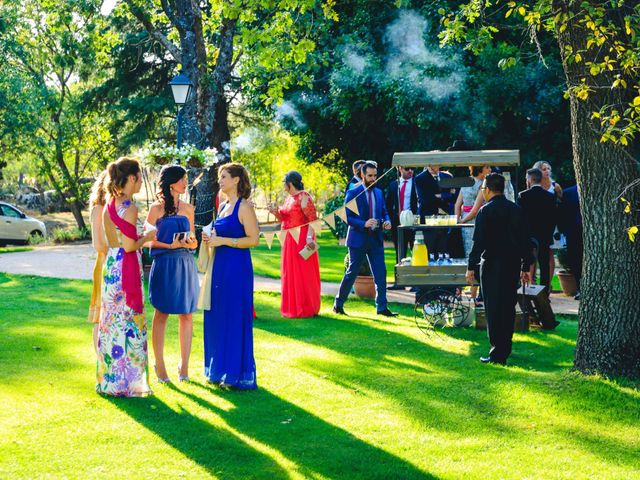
[(154, 32)]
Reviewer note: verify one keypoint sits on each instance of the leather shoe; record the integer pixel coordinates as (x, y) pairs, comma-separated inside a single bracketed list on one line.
[(490, 360), (387, 313), (339, 310)]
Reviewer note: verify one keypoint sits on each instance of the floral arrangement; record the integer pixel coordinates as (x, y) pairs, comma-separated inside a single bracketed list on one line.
[(159, 153)]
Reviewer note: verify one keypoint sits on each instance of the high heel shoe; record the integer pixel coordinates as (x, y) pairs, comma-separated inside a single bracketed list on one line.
[(161, 380), (180, 377)]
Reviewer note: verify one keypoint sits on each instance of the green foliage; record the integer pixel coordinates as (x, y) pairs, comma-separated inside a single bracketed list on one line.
[(159, 153), (605, 45), (269, 152), (331, 206), (65, 235)]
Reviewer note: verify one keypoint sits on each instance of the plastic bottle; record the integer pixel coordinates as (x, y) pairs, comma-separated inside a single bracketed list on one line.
[(420, 256)]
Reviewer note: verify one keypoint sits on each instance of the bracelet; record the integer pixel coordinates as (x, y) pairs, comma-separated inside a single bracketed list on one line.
[(234, 242)]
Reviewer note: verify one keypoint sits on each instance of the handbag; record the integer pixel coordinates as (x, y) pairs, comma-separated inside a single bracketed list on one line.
[(204, 264), (309, 249)]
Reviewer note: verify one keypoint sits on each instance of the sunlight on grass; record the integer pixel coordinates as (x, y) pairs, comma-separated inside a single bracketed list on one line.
[(339, 397)]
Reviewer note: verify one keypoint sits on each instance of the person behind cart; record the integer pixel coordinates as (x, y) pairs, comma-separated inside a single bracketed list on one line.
[(365, 239), (539, 207), (570, 223), (355, 180), (501, 247), (401, 196), (432, 199)]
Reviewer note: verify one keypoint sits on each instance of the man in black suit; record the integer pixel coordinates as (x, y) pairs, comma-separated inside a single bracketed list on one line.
[(431, 198), (402, 196), (570, 223), (539, 207), (501, 246)]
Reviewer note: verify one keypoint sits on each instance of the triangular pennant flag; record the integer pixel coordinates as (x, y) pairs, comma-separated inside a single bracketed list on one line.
[(317, 226), (330, 219), (268, 237), (295, 233), (198, 179), (277, 235), (353, 206), (342, 213)]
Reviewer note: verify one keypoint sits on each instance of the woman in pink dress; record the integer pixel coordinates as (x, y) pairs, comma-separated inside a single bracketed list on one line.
[(300, 277)]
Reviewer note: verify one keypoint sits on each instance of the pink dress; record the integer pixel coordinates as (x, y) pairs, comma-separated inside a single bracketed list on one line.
[(300, 277)]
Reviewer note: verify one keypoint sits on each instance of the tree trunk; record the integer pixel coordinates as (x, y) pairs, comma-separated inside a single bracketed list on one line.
[(609, 325)]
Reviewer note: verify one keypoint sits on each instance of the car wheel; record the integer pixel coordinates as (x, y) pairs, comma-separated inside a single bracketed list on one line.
[(35, 237)]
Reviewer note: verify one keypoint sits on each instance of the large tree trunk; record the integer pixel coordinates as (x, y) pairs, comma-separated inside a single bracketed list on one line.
[(609, 325)]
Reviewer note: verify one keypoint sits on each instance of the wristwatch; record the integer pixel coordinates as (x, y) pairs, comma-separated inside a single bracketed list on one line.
[(234, 242)]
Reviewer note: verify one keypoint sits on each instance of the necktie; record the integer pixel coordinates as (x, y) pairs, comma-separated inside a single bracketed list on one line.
[(402, 190), (370, 204)]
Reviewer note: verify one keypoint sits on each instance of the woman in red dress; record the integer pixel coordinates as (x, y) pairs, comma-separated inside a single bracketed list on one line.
[(300, 277)]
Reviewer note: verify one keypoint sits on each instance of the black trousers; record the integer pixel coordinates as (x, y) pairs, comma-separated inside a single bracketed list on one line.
[(499, 283), (575, 251), (543, 252)]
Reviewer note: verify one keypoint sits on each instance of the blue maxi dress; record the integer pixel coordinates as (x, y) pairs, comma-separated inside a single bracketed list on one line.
[(173, 280), (228, 326)]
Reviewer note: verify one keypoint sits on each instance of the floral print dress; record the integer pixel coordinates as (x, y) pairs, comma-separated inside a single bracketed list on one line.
[(122, 369)]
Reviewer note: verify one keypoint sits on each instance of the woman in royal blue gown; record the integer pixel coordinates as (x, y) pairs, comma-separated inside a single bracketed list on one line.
[(228, 325), (173, 282)]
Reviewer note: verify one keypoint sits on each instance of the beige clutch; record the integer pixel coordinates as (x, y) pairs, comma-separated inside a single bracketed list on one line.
[(309, 249)]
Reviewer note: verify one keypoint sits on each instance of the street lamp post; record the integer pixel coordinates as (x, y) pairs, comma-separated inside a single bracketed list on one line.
[(181, 88)]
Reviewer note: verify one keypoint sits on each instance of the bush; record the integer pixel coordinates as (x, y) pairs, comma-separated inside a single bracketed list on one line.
[(64, 235), (341, 228), (365, 270)]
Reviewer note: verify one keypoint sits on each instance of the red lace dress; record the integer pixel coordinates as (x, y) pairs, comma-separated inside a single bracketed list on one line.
[(300, 277)]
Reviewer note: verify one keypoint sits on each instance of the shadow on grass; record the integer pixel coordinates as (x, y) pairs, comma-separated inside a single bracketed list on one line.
[(318, 448)]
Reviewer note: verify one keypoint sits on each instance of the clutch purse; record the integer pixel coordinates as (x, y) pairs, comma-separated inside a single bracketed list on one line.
[(309, 249)]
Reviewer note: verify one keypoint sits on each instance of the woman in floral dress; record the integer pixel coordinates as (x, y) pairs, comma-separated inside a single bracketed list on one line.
[(122, 337)]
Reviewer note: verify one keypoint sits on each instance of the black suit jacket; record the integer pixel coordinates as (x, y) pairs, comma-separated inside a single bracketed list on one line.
[(393, 201), (501, 236), (569, 217), (539, 207), (427, 188)]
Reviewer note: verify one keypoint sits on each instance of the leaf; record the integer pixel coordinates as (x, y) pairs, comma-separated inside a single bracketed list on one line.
[(636, 101), (522, 11), (632, 232)]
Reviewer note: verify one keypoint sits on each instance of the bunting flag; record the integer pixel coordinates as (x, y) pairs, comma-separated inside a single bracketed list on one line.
[(353, 206), (268, 237), (295, 233), (342, 213), (330, 219), (277, 235), (317, 226)]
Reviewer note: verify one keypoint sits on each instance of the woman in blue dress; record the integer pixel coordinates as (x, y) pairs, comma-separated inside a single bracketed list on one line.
[(228, 325), (173, 282)]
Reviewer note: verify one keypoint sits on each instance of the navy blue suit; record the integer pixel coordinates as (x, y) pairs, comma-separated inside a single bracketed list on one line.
[(570, 223), (365, 242)]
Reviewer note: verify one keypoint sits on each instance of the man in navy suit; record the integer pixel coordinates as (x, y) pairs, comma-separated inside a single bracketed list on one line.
[(570, 223), (365, 238), (402, 196)]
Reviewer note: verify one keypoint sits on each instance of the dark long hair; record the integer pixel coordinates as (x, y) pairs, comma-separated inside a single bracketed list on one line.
[(294, 178), (169, 175)]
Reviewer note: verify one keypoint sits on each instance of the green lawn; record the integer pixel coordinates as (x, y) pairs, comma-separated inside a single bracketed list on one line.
[(359, 397), (14, 249)]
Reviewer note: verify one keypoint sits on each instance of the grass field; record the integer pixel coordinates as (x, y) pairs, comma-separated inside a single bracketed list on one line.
[(14, 249), (359, 397)]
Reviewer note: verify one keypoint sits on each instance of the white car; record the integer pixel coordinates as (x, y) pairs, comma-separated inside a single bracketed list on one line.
[(16, 227)]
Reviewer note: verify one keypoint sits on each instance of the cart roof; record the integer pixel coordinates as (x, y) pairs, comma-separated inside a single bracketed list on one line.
[(497, 158)]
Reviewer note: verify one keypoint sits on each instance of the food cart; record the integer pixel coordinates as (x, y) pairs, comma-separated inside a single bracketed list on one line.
[(439, 286)]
